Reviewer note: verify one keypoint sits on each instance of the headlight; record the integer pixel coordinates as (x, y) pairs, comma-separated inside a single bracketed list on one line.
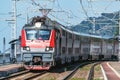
[(26, 48), (48, 48)]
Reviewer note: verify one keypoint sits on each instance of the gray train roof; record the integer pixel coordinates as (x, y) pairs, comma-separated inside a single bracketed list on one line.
[(83, 34), (59, 26)]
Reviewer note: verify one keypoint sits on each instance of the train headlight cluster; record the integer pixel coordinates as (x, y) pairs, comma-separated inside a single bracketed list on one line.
[(27, 48), (48, 48)]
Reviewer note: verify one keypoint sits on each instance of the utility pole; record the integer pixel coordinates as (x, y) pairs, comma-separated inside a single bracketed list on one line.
[(119, 36), (14, 31), (93, 25), (14, 18), (4, 45)]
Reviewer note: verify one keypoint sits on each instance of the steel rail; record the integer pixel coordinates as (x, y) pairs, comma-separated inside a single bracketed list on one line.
[(74, 71), (91, 72), (15, 75), (34, 75)]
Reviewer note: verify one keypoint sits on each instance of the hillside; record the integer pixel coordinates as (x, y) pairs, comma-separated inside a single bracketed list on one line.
[(104, 25)]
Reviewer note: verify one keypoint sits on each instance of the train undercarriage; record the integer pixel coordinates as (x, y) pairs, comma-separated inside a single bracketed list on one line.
[(37, 63)]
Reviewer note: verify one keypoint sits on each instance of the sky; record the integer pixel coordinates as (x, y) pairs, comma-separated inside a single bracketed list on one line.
[(67, 12)]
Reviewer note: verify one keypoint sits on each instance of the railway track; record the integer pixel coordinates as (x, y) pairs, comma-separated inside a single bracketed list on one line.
[(74, 71), (15, 75), (91, 71), (34, 76), (65, 73), (23, 75)]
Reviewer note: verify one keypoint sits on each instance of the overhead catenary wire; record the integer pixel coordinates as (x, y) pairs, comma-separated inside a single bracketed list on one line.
[(59, 5), (86, 12), (34, 3), (108, 5), (91, 6), (105, 17), (83, 8), (61, 10), (60, 19)]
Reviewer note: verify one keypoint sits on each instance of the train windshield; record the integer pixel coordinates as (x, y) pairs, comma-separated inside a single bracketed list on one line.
[(31, 34), (42, 34)]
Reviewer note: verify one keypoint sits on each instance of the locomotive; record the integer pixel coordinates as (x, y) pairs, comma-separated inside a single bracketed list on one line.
[(46, 43), (38, 44)]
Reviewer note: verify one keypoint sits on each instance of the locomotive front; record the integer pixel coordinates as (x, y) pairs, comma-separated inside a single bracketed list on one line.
[(38, 45)]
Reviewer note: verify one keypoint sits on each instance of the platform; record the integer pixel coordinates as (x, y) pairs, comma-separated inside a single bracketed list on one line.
[(6, 70), (111, 70)]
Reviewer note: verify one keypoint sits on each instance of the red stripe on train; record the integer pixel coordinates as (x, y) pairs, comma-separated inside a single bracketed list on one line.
[(52, 39), (37, 67), (23, 42)]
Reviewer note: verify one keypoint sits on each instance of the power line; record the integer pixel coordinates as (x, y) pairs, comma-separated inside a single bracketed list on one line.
[(83, 8), (60, 19)]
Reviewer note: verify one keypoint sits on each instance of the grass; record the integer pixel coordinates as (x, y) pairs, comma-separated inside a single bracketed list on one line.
[(82, 73), (48, 79), (97, 68), (78, 79), (85, 68), (98, 79), (97, 73)]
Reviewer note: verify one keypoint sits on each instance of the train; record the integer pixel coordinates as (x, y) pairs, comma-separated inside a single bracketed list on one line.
[(46, 43)]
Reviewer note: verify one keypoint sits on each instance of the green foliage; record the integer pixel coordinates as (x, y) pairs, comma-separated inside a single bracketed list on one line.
[(97, 68), (86, 68), (48, 79), (98, 79)]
